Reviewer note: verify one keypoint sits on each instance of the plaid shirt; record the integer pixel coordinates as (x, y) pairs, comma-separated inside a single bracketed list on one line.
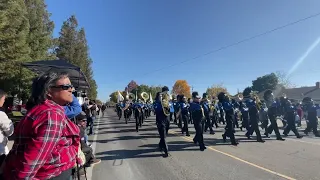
[(46, 144)]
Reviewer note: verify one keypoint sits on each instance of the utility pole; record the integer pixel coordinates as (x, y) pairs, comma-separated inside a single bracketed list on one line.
[(191, 88)]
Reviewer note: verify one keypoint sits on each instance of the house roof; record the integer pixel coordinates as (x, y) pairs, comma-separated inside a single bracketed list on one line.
[(298, 93)]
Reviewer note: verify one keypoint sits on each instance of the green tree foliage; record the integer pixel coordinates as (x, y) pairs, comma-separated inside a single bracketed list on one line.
[(148, 89), (113, 96), (14, 49), (41, 28), (269, 81), (73, 47)]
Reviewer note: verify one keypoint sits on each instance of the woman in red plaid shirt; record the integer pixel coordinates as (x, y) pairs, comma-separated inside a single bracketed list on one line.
[(46, 141)]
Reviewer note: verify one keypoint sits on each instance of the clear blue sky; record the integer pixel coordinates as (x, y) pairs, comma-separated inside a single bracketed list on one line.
[(129, 38)]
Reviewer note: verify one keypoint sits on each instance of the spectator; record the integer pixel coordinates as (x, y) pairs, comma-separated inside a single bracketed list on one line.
[(103, 108), (72, 109), (6, 129), (46, 141), (90, 159)]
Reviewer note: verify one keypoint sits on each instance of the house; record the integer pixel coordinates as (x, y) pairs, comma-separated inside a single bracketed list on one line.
[(297, 94)]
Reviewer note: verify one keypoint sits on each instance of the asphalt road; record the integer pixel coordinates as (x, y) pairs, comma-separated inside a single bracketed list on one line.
[(128, 155)]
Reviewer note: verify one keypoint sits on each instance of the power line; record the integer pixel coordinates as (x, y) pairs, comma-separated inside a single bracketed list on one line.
[(238, 42)]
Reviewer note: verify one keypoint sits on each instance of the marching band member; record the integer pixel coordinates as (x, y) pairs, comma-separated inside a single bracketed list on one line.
[(244, 117), (190, 115), (184, 114), (206, 108), (138, 114), (178, 111), (162, 117), (311, 110), (228, 108), (171, 109), (290, 116), (272, 113), (197, 116), (254, 118), (215, 114)]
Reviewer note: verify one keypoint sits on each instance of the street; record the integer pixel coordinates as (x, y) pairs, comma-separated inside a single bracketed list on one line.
[(126, 154)]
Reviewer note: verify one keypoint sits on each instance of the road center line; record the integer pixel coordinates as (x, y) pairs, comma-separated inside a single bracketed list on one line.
[(236, 158)]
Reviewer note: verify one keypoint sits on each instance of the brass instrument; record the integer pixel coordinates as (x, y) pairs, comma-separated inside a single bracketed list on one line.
[(144, 96), (164, 100), (258, 101), (239, 97), (132, 96)]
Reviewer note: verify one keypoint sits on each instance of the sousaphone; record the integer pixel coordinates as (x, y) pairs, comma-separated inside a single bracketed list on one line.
[(144, 96)]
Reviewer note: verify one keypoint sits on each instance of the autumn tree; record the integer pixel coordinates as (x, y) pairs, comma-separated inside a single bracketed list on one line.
[(215, 89), (131, 86), (181, 87), (269, 81)]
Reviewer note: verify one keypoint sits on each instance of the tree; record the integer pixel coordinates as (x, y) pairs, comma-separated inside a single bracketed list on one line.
[(215, 89), (92, 91), (181, 87), (154, 90), (283, 80), (114, 96), (68, 40), (73, 47), (131, 86), (269, 81), (41, 28), (14, 49)]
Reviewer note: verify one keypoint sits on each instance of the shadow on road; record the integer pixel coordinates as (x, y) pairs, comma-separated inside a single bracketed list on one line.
[(149, 150)]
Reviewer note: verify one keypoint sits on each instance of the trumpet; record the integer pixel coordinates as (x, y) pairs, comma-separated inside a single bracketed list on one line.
[(239, 97)]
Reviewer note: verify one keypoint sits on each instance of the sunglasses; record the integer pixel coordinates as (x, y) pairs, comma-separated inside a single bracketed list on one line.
[(63, 87)]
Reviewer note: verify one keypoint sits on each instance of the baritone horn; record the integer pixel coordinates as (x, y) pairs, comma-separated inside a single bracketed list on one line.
[(164, 100), (144, 96)]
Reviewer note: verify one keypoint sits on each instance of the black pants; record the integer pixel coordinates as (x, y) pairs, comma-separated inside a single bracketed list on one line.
[(215, 119), (119, 112), (88, 153), (312, 125), (230, 128), (185, 119), (138, 117), (65, 175), (162, 128), (291, 126), (198, 126), (254, 127), (207, 122), (273, 126), (245, 123), (171, 114)]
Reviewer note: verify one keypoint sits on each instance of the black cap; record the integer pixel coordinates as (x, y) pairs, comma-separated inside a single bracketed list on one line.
[(165, 88), (195, 94), (204, 95)]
